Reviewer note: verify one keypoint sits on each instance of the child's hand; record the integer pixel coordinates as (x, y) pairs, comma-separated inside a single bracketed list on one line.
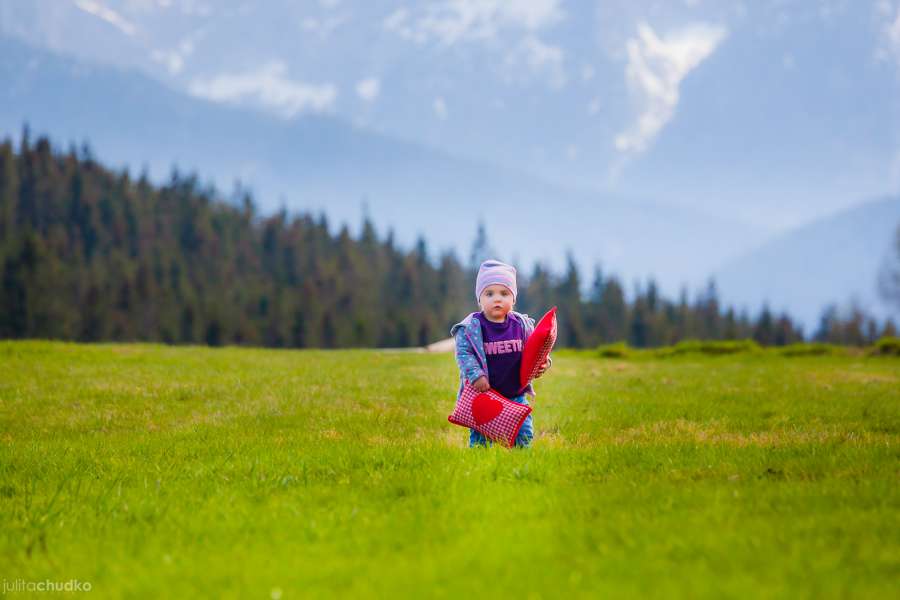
[(481, 384), (542, 368)]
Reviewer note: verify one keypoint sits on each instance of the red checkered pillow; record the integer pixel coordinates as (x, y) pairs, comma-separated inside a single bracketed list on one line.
[(538, 347), (490, 413)]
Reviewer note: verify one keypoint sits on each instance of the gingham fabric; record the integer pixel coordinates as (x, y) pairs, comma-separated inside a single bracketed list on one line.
[(538, 347), (491, 414)]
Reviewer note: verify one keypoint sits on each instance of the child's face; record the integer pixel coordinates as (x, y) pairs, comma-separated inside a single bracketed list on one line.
[(496, 302)]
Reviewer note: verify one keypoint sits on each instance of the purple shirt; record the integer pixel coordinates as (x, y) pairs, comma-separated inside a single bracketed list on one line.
[(503, 343)]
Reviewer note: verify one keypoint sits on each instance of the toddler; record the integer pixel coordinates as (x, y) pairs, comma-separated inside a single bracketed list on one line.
[(489, 343)]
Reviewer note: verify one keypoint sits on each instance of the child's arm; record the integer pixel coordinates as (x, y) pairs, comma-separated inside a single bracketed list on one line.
[(468, 362)]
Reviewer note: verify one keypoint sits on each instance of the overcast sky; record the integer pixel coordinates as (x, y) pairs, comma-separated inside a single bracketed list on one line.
[(774, 112)]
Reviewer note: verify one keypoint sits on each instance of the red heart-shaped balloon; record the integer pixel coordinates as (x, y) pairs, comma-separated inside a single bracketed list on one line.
[(485, 408)]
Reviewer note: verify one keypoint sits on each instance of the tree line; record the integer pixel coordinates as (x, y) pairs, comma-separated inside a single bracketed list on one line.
[(91, 254)]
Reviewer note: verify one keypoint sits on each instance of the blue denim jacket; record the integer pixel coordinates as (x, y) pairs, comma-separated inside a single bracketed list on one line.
[(470, 356)]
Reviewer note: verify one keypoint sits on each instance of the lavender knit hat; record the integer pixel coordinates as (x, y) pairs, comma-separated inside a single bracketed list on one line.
[(493, 271)]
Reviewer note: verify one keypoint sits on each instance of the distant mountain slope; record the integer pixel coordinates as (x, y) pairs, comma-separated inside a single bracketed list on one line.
[(832, 260), (770, 130), (320, 163), (793, 113)]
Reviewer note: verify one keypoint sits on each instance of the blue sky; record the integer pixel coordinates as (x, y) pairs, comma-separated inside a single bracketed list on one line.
[(773, 112)]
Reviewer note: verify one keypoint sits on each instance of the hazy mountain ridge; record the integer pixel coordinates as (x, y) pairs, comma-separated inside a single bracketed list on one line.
[(319, 163), (785, 111), (834, 260)]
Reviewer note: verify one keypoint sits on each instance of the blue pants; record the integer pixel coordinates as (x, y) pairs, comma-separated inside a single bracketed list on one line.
[(523, 440)]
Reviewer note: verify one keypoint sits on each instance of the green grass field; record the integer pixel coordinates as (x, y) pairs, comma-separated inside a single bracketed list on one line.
[(159, 471)]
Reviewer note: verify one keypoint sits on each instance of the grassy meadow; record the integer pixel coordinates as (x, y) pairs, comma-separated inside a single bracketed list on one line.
[(187, 471)]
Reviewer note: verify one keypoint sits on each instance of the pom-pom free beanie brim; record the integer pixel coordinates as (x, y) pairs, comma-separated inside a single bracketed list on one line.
[(492, 272)]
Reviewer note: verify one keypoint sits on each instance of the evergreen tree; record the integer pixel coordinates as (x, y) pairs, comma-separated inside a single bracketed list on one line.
[(711, 317), (827, 324), (764, 332), (613, 311), (481, 249), (638, 329), (593, 316), (569, 302), (889, 276), (9, 186), (91, 254)]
